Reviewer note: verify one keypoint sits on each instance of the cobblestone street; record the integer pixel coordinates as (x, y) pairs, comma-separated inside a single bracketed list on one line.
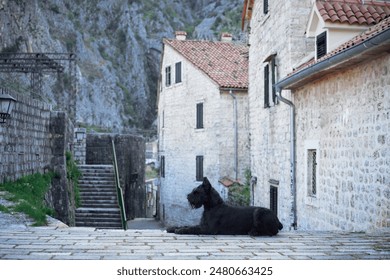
[(63, 243)]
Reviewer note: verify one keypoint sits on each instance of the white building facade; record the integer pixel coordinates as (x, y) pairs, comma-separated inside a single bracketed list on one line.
[(203, 127)]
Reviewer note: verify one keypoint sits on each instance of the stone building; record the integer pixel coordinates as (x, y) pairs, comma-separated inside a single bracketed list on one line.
[(319, 95), (203, 120)]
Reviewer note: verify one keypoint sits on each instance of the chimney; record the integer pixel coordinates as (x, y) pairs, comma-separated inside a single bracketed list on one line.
[(181, 35), (226, 37)]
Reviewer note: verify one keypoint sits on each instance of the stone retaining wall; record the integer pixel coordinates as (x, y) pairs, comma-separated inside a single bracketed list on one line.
[(35, 140)]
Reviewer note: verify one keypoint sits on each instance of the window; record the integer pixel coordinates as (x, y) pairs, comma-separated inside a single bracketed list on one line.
[(199, 168), (312, 172), (168, 76), (163, 119), (269, 81), (273, 203), (199, 115), (321, 45), (266, 86), (178, 72), (162, 166), (265, 7)]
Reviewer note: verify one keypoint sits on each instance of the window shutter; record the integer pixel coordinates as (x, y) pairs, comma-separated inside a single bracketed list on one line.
[(162, 166), (273, 199), (273, 68), (321, 45), (168, 76), (199, 115), (178, 72), (199, 168), (266, 86), (265, 6)]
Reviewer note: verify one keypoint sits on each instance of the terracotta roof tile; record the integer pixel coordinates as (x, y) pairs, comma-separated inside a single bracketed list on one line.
[(360, 39), (353, 11), (225, 63)]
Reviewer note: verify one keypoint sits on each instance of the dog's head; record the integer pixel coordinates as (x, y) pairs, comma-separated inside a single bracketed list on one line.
[(204, 195)]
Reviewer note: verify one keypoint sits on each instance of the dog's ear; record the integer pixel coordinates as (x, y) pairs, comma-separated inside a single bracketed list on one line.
[(206, 183)]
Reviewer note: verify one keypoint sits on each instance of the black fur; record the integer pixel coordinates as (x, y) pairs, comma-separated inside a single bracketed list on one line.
[(220, 218)]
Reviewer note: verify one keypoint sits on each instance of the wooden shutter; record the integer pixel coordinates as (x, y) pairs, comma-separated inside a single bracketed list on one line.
[(321, 45), (199, 168), (273, 203), (178, 72), (199, 115), (266, 86), (265, 6)]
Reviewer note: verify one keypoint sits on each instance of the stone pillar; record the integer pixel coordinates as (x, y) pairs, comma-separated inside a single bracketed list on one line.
[(80, 145)]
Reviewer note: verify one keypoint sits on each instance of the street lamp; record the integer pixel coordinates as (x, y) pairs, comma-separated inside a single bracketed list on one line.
[(7, 103)]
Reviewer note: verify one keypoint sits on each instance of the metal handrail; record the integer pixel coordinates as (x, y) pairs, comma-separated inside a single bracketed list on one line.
[(118, 188)]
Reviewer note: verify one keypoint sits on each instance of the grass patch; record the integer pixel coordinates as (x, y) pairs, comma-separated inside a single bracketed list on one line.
[(28, 193)]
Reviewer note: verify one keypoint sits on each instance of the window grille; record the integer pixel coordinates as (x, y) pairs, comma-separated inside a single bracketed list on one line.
[(321, 45), (312, 172), (168, 76), (178, 72), (199, 115), (199, 168)]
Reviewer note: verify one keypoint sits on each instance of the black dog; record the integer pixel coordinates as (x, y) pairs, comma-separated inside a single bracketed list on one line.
[(219, 218)]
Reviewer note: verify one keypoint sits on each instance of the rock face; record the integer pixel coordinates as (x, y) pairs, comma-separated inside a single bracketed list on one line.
[(118, 47)]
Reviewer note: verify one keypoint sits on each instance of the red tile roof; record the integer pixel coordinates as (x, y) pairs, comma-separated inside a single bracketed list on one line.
[(225, 63), (373, 31), (353, 11)]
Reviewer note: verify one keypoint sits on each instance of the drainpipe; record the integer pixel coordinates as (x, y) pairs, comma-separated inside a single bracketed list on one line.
[(235, 126), (292, 153)]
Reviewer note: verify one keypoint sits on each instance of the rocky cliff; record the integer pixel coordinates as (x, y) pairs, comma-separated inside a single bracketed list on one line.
[(118, 47)]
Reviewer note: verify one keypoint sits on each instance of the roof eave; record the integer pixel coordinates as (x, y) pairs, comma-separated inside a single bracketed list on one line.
[(370, 48)]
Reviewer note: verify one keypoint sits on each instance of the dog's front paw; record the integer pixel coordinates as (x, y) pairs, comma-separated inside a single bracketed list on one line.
[(181, 230), (171, 229)]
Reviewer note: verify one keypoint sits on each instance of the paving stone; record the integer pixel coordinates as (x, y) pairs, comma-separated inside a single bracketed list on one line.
[(91, 244)]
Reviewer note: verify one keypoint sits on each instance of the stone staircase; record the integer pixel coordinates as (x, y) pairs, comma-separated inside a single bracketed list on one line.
[(99, 207)]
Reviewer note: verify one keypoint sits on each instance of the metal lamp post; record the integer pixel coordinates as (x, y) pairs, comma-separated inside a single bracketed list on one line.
[(7, 103)]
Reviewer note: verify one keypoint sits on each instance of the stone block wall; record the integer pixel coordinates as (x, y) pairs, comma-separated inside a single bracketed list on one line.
[(130, 152), (35, 140), (25, 142), (346, 117), (282, 32), (80, 145)]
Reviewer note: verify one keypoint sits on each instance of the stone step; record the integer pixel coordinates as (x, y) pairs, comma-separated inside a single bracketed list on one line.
[(99, 204), (100, 224), (96, 183), (98, 197)]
